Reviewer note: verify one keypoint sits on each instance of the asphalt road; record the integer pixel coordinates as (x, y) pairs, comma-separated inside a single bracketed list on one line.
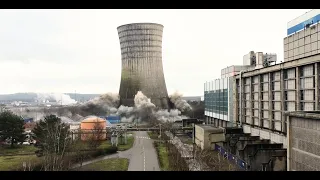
[(143, 156)]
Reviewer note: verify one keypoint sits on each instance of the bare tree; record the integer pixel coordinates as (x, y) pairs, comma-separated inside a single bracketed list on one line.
[(210, 160), (97, 134), (54, 139)]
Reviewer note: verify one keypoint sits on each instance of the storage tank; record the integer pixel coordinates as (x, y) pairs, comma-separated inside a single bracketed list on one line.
[(93, 127)]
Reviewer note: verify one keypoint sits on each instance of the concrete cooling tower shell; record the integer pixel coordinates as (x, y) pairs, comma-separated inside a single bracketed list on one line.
[(142, 70), (89, 124)]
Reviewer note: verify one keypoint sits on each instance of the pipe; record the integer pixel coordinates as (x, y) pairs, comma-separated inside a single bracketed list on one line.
[(240, 99)]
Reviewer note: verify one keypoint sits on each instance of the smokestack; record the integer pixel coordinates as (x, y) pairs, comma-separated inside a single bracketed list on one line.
[(142, 70)]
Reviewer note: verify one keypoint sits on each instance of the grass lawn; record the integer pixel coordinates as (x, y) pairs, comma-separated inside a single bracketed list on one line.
[(153, 135), (14, 157), (112, 164), (12, 163), (17, 149), (163, 157)]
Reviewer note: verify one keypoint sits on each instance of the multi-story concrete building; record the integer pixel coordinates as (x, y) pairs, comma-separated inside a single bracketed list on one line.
[(219, 93), (263, 95)]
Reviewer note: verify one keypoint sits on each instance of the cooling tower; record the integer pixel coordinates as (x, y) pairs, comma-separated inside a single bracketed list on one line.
[(142, 70)]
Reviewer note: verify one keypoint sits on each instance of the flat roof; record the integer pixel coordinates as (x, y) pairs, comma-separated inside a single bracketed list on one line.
[(284, 65), (305, 114), (210, 128)]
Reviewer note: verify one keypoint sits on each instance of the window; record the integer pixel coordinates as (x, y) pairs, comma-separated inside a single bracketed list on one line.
[(286, 95), (301, 106), (272, 76), (286, 106), (302, 83), (301, 71), (302, 95), (285, 84), (273, 96), (273, 115), (285, 74), (273, 106), (272, 85)]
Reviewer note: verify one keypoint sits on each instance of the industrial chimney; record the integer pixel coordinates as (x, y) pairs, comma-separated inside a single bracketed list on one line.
[(142, 70)]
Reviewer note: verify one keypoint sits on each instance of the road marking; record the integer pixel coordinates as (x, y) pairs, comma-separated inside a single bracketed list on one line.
[(142, 137), (144, 159)]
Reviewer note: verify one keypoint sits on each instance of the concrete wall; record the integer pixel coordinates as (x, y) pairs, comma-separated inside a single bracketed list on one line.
[(200, 137), (219, 137), (205, 137), (266, 134), (304, 144)]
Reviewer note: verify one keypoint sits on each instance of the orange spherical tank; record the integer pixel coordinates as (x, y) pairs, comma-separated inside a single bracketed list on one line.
[(93, 128)]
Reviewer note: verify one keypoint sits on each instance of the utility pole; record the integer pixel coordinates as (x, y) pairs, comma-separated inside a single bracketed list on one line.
[(125, 135), (160, 131)]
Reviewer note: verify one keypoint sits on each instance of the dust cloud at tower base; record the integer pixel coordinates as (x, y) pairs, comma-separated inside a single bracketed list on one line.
[(142, 69)]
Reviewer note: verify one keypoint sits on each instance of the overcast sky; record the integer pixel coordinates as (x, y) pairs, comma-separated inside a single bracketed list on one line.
[(79, 50)]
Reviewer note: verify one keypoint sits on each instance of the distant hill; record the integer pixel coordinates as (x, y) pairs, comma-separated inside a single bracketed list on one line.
[(30, 97), (192, 98)]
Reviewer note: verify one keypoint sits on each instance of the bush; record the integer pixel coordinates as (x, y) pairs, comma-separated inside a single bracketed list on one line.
[(81, 156), (111, 150)]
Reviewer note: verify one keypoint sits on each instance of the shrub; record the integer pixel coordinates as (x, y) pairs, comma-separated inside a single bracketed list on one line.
[(111, 150)]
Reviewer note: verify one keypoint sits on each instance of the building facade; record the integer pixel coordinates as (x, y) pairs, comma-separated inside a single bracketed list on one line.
[(218, 102), (264, 92)]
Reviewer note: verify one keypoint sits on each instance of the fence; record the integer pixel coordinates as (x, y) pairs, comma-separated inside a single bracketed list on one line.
[(242, 164)]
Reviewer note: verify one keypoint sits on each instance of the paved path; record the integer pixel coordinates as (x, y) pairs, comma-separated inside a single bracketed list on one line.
[(142, 155)]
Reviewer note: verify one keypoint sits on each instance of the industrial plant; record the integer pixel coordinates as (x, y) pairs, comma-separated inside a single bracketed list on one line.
[(262, 114)]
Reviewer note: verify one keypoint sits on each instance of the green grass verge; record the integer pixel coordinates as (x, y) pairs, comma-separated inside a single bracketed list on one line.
[(112, 164), (16, 150), (13, 163), (163, 156), (153, 135)]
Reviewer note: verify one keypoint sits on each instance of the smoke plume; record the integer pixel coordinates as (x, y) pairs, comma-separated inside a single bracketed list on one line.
[(106, 104), (179, 103), (62, 99)]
